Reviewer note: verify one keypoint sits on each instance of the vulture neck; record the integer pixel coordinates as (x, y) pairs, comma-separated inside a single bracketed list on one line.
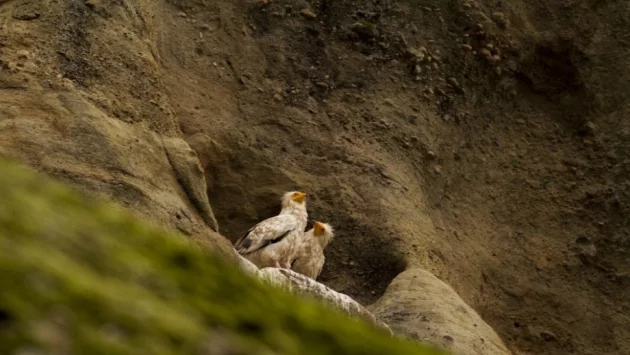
[(297, 210), (324, 240)]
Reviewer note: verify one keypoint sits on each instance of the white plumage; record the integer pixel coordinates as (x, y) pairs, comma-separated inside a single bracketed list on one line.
[(274, 242), (310, 256)]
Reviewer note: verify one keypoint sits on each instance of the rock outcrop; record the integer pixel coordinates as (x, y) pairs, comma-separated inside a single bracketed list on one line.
[(190, 175), (82, 276), (309, 288), (68, 137), (421, 307)]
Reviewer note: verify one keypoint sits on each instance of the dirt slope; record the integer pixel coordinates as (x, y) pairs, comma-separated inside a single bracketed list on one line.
[(484, 141)]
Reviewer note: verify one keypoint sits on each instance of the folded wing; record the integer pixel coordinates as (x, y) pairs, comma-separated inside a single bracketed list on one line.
[(269, 231)]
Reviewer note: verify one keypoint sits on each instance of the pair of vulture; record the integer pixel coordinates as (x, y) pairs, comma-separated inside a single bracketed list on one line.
[(281, 242)]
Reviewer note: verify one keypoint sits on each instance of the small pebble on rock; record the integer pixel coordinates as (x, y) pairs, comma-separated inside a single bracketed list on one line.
[(499, 18), (548, 336), (308, 13), (494, 59), (455, 84), (485, 53), (22, 54), (588, 129)]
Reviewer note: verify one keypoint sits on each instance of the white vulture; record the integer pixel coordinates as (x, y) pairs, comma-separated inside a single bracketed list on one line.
[(275, 241), (310, 256)]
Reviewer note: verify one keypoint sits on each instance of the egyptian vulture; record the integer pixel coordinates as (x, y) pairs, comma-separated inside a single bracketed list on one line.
[(274, 242), (310, 256)]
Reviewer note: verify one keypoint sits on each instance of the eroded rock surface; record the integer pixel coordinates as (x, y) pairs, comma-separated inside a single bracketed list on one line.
[(483, 141), (68, 137), (191, 176), (309, 288), (421, 307)]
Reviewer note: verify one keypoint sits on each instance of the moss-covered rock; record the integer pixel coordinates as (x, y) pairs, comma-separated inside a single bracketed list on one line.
[(80, 276)]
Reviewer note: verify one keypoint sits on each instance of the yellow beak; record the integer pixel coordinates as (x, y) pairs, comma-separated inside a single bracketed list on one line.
[(318, 228), (299, 197)]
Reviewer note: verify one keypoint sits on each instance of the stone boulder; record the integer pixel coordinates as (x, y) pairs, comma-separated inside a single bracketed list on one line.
[(309, 288), (421, 307)]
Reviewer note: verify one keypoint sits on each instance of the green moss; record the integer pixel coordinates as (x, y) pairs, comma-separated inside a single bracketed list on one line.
[(85, 277)]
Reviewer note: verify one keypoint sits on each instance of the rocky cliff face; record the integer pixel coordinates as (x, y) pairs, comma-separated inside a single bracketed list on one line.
[(481, 141), (81, 276)]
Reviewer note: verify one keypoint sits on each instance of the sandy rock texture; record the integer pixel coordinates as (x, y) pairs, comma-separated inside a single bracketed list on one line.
[(90, 134), (420, 306), (483, 141), (68, 137)]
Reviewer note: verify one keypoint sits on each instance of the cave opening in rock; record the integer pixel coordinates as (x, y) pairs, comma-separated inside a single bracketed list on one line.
[(360, 262), (245, 189)]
